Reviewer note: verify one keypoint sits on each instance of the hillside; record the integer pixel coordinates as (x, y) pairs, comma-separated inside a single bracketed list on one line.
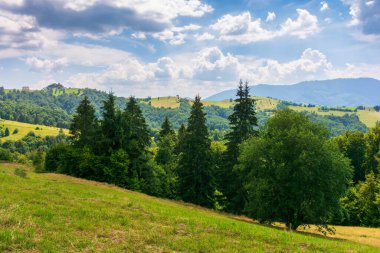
[(57, 213), (25, 128), (336, 92), (55, 106)]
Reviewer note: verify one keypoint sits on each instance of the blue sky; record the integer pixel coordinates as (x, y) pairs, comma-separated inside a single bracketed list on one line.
[(185, 47)]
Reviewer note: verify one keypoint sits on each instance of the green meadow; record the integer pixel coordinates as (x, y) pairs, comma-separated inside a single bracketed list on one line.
[(57, 213)]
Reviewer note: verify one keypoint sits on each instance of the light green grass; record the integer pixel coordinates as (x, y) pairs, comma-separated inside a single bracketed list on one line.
[(25, 128), (56, 213), (58, 92)]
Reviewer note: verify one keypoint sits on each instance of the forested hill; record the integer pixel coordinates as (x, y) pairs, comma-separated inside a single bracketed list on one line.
[(336, 92), (55, 106)]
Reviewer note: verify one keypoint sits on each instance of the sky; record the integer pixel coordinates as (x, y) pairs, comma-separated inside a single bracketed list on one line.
[(185, 47)]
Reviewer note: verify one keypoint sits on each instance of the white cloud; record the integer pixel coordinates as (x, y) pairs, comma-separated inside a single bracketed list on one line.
[(365, 13), (212, 64), (175, 35), (243, 29), (324, 6), (204, 36), (45, 65), (211, 70), (271, 16)]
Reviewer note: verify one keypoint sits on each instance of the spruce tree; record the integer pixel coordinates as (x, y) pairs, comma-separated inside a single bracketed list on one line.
[(84, 125), (135, 143), (180, 138), (166, 128), (166, 143), (110, 138), (243, 123), (196, 184), (7, 132)]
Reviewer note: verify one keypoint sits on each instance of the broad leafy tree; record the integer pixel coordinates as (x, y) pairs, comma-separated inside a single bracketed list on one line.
[(293, 172), (353, 145)]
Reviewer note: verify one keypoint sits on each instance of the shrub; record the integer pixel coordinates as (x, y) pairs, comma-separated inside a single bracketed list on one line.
[(20, 172)]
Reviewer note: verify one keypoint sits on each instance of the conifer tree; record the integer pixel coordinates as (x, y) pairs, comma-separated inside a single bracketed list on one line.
[(196, 184), (110, 138), (180, 138), (84, 124), (7, 132), (166, 143), (166, 128), (243, 124), (136, 142)]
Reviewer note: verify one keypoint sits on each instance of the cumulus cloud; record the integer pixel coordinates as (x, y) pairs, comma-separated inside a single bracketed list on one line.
[(242, 28), (204, 36), (211, 70), (45, 65), (212, 64), (366, 14), (324, 6), (271, 16), (21, 32), (107, 17)]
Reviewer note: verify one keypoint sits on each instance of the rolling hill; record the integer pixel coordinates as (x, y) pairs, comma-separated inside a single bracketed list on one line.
[(336, 92), (25, 128), (57, 213)]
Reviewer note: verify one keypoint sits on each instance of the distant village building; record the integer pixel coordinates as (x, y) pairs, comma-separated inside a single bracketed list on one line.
[(25, 88)]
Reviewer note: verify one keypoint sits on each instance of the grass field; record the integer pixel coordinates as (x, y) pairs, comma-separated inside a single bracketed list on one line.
[(25, 128), (57, 213)]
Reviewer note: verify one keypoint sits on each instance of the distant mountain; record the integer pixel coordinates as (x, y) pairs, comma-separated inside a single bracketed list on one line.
[(336, 92)]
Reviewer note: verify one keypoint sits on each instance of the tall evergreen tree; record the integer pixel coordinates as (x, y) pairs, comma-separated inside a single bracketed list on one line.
[(84, 125), (110, 138), (243, 124), (136, 142), (196, 184), (166, 128), (180, 139), (166, 143)]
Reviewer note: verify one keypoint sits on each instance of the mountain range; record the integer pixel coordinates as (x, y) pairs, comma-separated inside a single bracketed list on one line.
[(335, 92)]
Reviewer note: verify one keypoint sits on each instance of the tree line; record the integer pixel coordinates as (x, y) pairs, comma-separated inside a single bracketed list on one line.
[(288, 170)]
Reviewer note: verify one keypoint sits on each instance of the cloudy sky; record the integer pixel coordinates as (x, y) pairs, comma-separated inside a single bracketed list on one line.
[(185, 47)]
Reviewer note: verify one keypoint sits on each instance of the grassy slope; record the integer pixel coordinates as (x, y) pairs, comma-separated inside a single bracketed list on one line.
[(25, 128), (56, 213)]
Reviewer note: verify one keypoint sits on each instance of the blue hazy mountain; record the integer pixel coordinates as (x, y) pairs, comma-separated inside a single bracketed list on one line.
[(336, 92)]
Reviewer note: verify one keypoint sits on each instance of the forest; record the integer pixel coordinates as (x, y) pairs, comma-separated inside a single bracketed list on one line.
[(290, 169)]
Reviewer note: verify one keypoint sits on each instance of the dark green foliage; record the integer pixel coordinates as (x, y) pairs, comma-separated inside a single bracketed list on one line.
[(39, 160), (20, 172), (109, 126), (15, 131), (362, 203), (83, 126), (338, 125), (353, 145), (243, 123), (196, 183), (166, 128), (117, 170), (167, 159), (180, 139), (6, 132), (5, 155), (373, 149), (293, 172)]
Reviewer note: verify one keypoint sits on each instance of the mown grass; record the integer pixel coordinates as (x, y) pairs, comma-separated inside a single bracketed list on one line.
[(57, 213), (25, 128)]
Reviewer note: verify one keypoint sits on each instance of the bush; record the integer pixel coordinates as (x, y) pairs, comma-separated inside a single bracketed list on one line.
[(20, 172), (15, 131), (5, 155)]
